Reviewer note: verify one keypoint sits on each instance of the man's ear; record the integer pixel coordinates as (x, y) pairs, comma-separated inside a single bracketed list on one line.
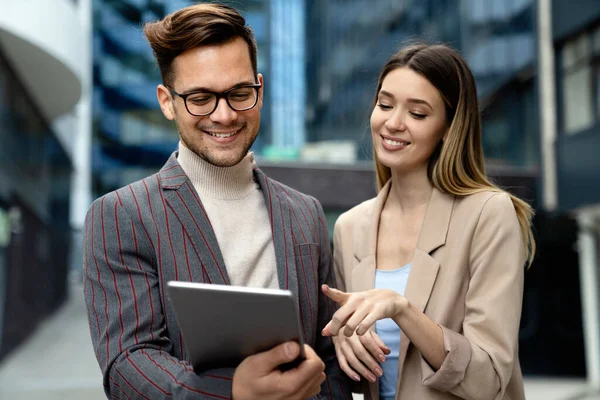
[(165, 101), (261, 90)]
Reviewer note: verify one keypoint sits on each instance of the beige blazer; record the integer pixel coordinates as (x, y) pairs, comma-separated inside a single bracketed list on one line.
[(467, 275)]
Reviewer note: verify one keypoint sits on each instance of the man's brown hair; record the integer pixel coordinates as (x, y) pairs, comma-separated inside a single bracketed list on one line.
[(194, 26)]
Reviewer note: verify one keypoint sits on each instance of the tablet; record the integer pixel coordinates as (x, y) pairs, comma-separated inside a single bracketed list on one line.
[(221, 324)]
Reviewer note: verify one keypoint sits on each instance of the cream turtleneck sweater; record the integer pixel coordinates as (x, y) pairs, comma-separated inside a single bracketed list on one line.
[(236, 208)]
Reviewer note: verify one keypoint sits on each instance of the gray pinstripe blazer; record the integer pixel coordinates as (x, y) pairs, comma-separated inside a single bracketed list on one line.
[(143, 235)]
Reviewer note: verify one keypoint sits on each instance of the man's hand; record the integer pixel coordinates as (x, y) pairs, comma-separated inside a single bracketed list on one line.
[(258, 377)]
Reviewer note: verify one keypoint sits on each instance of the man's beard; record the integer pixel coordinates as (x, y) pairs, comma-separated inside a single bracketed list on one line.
[(205, 153)]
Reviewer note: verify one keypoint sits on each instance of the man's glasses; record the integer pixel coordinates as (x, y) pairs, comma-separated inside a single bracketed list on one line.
[(239, 98)]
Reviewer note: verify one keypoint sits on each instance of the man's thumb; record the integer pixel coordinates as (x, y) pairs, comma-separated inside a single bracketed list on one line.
[(281, 354)]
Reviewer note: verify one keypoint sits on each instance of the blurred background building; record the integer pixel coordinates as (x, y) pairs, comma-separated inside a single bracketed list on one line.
[(537, 66), (43, 132)]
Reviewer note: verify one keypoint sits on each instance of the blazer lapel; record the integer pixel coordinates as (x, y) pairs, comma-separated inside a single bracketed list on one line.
[(281, 228), (363, 274), (185, 203), (424, 268)]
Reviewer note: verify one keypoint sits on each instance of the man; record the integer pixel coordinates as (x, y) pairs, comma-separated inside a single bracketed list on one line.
[(209, 215)]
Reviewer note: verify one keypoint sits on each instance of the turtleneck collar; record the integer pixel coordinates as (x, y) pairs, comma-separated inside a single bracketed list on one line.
[(225, 183)]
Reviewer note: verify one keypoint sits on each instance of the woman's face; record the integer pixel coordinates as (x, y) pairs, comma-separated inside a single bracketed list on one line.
[(408, 120)]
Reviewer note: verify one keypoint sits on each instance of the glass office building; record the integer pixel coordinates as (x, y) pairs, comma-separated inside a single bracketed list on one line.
[(40, 81), (349, 42), (320, 60)]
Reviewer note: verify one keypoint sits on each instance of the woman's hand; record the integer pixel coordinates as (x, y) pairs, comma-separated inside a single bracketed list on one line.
[(361, 355), (361, 310)]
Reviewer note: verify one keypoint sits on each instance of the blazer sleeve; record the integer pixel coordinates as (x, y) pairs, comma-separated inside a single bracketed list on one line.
[(479, 362), (338, 262), (337, 383), (126, 317)]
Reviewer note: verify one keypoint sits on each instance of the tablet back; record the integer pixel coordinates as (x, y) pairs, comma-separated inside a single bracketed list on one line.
[(221, 325)]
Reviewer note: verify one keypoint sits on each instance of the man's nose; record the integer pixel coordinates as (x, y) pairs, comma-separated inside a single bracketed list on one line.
[(223, 114)]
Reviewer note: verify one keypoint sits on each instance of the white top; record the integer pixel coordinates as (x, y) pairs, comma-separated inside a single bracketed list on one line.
[(389, 331), (236, 209)]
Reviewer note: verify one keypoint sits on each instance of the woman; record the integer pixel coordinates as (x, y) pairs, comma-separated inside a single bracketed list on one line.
[(435, 263)]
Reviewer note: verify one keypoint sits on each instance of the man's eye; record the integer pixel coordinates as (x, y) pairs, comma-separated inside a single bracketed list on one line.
[(200, 99)]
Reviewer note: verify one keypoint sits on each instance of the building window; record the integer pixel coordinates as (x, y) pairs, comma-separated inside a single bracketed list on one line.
[(580, 66), (596, 68)]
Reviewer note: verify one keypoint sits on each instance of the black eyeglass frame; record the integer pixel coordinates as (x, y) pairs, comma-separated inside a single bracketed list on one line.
[(218, 96)]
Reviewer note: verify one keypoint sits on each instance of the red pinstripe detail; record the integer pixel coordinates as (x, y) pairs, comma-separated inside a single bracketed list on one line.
[(162, 199), (187, 259), (302, 319), (297, 221), (147, 281), (171, 360), (304, 201), (191, 242), (135, 305), (115, 276), (172, 167), (183, 385), (119, 198), (139, 210), (327, 251), (315, 270), (118, 387), (97, 269), (204, 238), (159, 261), (307, 292), (326, 262), (145, 378), (270, 207), (287, 272), (303, 268), (173, 176), (300, 303), (102, 286)]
